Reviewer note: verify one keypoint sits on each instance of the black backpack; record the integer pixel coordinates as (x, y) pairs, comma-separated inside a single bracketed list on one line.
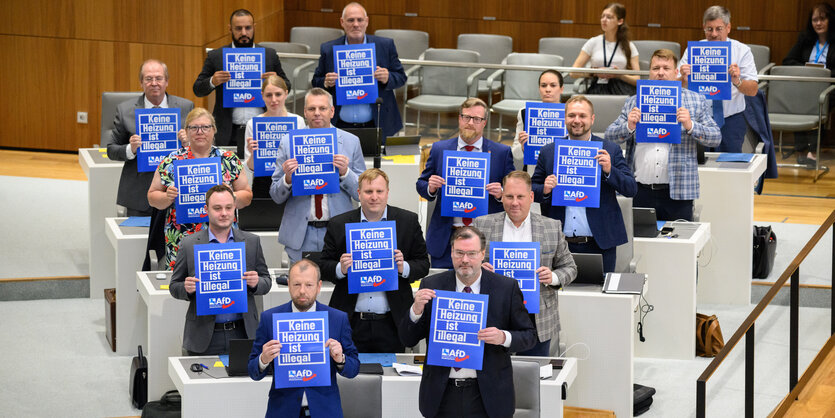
[(765, 248), (168, 406)]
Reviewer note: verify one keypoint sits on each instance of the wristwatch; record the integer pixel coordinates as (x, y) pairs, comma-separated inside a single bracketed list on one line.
[(738, 84)]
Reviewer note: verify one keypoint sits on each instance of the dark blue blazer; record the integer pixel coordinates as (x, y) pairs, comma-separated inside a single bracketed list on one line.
[(756, 114), (386, 52), (606, 222), (505, 311), (440, 227), (323, 401)]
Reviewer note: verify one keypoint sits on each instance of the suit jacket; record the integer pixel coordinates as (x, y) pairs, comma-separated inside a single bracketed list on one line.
[(297, 212), (553, 254), (682, 166), (323, 401), (802, 49), (506, 311), (386, 54), (440, 227), (133, 185), (203, 87), (199, 329), (606, 221), (409, 241)]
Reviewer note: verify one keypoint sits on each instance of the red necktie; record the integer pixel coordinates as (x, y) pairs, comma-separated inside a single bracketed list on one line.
[(467, 221), (318, 200), (466, 290)]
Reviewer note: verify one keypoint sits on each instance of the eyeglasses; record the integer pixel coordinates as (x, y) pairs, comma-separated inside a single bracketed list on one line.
[(149, 80), (468, 254), (199, 128), (718, 29), (468, 118)]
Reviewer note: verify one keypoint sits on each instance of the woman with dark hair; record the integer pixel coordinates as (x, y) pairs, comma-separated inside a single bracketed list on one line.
[(814, 46), (613, 49), (550, 91)]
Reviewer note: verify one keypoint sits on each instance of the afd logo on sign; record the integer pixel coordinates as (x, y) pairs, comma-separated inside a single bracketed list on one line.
[(710, 90), (357, 94), (374, 281), (466, 207), (243, 97), (453, 354), (314, 183), (303, 375), (221, 302), (658, 132), (155, 159), (575, 195), (197, 212)]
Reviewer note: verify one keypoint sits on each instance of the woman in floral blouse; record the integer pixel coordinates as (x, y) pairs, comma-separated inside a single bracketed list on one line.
[(200, 130)]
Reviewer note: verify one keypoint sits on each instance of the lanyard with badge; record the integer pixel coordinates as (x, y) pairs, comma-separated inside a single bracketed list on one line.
[(818, 51)]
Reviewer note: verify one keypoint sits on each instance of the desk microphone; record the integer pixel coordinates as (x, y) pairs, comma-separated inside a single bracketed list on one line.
[(377, 156)]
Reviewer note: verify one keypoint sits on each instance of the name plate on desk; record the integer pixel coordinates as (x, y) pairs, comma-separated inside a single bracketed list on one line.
[(519, 260), (269, 132), (465, 192), (220, 269), (193, 178), (314, 150), (577, 172), (157, 128), (453, 333), (709, 62), (304, 361), (246, 65), (371, 245), (544, 122)]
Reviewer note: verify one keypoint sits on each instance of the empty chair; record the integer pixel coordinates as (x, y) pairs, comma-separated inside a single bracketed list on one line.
[(298, 70), (410, 44), (492, 49), (109, 101), (762, 58), (519, 86), (646, 48), (526, 388), (626, 262), (607, 108), (568, 49), (313, 36), (361, 396), (797, 106), (443, 89)]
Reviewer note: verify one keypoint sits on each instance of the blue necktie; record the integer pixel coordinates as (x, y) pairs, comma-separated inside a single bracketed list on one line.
[(718, 113)]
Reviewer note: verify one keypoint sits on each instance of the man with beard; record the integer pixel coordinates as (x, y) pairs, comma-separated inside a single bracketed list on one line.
[(231, 122), (588, 230), (471, 121)]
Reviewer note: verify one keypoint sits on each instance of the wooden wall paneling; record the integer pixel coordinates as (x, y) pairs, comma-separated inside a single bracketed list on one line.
[(686, 14), (307, 18), (443, 32), (386, 7)]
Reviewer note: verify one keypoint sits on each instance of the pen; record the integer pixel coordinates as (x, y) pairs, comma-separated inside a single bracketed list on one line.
[(204, 366)]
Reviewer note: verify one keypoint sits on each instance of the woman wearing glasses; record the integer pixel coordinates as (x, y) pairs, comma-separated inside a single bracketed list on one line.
[(814, 46), (612, 50), (200, 130), (550, 91)]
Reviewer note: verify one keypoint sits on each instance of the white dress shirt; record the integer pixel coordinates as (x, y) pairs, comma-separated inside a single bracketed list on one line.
[(742, 56)]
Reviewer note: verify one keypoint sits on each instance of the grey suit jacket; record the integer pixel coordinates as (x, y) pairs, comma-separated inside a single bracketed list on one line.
[(133, 185), (554, 254), (199, 329)]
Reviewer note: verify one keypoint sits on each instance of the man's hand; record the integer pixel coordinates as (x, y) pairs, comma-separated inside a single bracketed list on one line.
[(381, 74), (341, 163), (135, 142), (633, 118), (487, 266), (336, 350), (191, 284), (495, 189), (523, 139), (435, 183), (171, 194), (422, 297), (289, 167), (604, 159), (345, 261), (251, 278), (545, 276), (399, 259), (220, 77), (267, 74), (549, 184), (733, 71), (269, 351), (684, 71), (330, 80), (683, 117), (491, 335)]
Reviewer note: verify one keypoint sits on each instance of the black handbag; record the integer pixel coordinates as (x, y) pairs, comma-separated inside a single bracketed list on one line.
[(641, 398), (139, 380), (765, 248), (168, 406)]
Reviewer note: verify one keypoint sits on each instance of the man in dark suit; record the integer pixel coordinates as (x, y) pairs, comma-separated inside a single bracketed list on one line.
[(588, 230), (445, 391), (123, 142), (210, 334), (231, 122), (389, 75), (304, 283), (374, 315), (471, 122)]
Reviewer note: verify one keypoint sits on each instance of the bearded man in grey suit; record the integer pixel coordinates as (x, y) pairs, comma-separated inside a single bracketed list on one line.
[(557, 269), (123, 142)]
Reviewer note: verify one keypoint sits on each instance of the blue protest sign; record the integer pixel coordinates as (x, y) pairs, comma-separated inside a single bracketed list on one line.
[(544, 122), (465, 192), (220, 269), (658, 101), (354, 66), (246, 65), (193, 178), (578, 174), (371, 245), (304, 361), (269, 132), (519, 260), (158, 130), (453, 331), (709, 63), (314, 150)]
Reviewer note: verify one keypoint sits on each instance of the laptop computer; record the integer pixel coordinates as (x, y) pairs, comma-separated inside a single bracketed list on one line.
[(239, 350), (644, 223), (263, 214), (403, 145), (589, 268), (368, 139)]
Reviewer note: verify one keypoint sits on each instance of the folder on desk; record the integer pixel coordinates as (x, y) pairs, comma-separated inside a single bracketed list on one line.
[(624, 283)]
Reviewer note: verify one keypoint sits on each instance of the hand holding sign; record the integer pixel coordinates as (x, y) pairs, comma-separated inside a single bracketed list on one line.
[(336, 350), (341, 163), (544, 274), (495, 189), (604, 160), (251, 278), (633, 118), (435, 183), (220, 77), (171, 194), (191, 284), (422, 297), (135, 142), (683, 117), (492, 335), (289, 167), (269, 351), (381, 74)]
